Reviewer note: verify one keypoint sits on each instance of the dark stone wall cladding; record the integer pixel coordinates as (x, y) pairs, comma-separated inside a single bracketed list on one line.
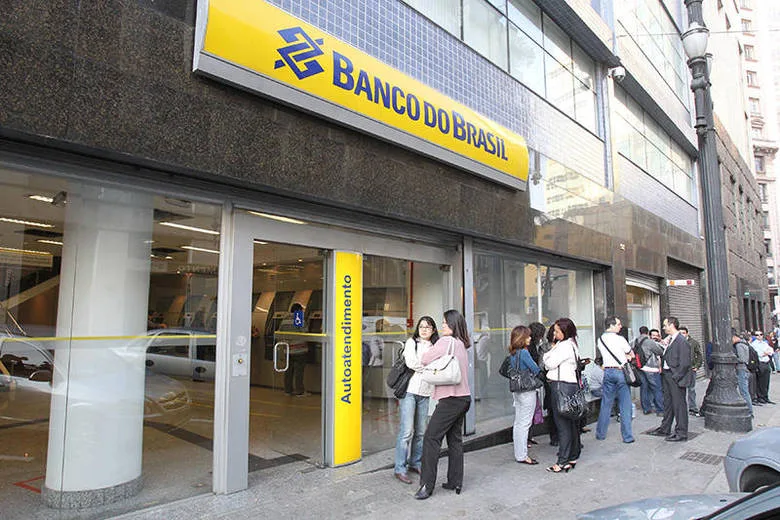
[(116, 77)]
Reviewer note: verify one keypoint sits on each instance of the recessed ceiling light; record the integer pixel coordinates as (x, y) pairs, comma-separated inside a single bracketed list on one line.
[(50, 242), (24, 251), (25, 222), (277, 217), (260, 242), (189, 228), (202, 249), (41, 198)]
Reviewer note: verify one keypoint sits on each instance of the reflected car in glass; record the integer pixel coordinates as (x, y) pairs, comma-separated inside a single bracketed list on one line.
[(182, 353), (26, 370)]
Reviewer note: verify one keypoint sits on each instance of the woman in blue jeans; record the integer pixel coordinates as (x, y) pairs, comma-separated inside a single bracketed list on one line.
[(414, 405)]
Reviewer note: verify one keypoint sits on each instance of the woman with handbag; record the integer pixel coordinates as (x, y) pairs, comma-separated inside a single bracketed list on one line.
[(454, 402), (561, 362), (520, 360), (413, 407)]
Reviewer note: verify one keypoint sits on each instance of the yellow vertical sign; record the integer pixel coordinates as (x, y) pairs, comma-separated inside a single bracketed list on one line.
[(347, 357)]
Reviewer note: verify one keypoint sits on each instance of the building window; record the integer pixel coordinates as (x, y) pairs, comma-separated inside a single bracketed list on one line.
[(762, 192), (755, 106), (645, 143), (757, 132), (648, 23), (768, 247), (765, 219), (519, 39), (750, 52), (444, 13), (745, 4), (752, 78), (770, 274), (760, 163), (747, 26)]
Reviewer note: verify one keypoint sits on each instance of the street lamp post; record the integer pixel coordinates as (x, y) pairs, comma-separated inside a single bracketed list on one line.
[(724, 408)]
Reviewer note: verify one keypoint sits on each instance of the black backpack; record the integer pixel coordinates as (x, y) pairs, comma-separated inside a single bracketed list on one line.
[(752, 364)]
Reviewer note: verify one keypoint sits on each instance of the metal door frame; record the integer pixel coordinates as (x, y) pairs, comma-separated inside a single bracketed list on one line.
[(231, 400)]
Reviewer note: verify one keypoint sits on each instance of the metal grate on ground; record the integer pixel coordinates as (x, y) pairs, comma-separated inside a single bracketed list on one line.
[(704, 458)]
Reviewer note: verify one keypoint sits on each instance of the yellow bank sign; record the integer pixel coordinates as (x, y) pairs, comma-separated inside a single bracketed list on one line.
[(260, 47)]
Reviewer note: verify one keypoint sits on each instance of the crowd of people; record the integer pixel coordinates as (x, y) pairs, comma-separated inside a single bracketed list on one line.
[(665, 367)]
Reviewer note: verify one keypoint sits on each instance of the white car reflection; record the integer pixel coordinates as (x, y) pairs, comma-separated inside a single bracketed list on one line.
[(183, 353), (26, 370)]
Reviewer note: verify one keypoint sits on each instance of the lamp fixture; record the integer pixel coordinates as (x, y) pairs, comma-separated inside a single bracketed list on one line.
[(189, 228), (277, 217), (694, 40), (26, 222), (24, 251), (201, 249), (54, 242), (41, 198)]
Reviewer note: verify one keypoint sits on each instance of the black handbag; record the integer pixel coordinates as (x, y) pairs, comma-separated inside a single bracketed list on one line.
[(399, 375), (630, 371), (519, 380)]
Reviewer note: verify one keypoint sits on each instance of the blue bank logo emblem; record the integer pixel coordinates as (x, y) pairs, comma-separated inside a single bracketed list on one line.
[(301, 54)]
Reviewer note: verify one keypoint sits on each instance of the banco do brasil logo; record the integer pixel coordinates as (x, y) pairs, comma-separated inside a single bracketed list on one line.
[(301, 54)]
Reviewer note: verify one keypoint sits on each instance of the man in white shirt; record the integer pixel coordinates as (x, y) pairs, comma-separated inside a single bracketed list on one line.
[(615, 352), (762, 348)]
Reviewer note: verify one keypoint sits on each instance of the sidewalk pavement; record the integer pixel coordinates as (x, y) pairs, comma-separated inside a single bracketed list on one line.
[(495, 486)]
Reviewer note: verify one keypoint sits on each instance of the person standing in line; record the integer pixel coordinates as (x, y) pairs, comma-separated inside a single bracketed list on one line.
[(742, 350), (537, 348), (615, 352), (776, 355), (652, 352), (677, 375), (697, 358), (413, 407), (561, 362), (763, 350), (447, 419), (645, 397), (544, 348), (524, 402)]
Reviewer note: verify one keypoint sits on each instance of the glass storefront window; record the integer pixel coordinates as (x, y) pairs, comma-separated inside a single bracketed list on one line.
[(396, 294), (508, 293), (485, 30), (107, 345)]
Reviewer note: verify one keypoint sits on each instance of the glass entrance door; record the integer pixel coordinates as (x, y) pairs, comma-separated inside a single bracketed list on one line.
[(285, 423)]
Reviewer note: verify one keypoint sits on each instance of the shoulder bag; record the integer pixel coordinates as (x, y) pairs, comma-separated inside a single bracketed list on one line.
[(630, 372), (444, 370), (573, 406), (519, 380), (400, 374)]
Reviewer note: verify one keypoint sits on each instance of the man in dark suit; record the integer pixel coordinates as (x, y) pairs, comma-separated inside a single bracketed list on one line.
[(677, 376)]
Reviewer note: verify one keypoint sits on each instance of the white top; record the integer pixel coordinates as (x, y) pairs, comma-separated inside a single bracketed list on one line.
[(618, 346), (763, 350), (416, 384), (562, 355)]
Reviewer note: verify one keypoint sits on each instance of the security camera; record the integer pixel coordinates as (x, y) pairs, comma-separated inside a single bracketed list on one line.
[(618, 73)]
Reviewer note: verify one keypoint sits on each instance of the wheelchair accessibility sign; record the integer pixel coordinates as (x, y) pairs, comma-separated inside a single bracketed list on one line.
[(298, 319)]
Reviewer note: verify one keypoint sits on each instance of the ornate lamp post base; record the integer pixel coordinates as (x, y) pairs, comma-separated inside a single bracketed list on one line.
[(724, 408)]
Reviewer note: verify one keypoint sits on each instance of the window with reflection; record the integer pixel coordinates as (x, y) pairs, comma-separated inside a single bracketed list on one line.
[(509, 292), (105, 290)]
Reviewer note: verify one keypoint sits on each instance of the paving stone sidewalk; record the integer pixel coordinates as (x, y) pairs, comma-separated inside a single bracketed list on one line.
[(495, 485)]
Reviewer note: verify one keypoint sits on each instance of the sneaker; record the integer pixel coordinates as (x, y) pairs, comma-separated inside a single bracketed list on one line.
[(303, 394)]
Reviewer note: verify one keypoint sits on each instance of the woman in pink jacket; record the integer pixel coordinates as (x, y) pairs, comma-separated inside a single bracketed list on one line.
[(447, 419)]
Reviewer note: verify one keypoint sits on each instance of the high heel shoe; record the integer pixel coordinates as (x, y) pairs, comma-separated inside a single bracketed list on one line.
[(567, 467), (423, 493), (555, 469), (573, 464), (447, 485)]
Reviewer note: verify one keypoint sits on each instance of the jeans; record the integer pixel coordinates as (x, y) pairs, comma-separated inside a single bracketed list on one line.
[(776, 360), (645, 397), (742, 382), (656, 390), (569, 444), (525, 405), (692, 395), (413, 409), (615, 387)]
